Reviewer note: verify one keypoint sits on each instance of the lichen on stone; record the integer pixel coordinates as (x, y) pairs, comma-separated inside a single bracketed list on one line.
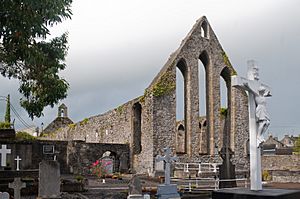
[(227, 63)]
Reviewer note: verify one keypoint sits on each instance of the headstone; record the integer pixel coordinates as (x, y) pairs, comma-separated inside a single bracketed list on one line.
[(123, 163), (135, 188), (4, 195), (49, 179), (167, 190), (227, 169), (18, 162), (258, 118), (108, 164), (17, 185), (4, 151)]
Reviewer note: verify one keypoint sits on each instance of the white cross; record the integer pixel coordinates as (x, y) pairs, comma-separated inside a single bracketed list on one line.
[(18, 162), (4, 151)]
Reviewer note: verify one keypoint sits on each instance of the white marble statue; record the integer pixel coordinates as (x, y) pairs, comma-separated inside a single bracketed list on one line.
[(261, 113), (259, 119)]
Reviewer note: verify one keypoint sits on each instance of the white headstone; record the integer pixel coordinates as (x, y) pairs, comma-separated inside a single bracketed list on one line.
[(4, 151), (4, 195)]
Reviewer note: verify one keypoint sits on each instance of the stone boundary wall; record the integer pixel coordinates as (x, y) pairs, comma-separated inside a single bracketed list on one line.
[(282, 168), (281, 162), (73, 156), (285, 176)]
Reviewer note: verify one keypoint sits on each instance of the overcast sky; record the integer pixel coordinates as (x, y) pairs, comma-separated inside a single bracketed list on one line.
[(117, 47)]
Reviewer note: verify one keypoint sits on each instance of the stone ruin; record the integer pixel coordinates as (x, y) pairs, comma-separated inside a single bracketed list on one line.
[(148, 122)]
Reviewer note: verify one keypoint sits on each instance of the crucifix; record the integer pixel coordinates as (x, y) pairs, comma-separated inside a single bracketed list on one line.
[(259, 119), (4, 151), (17, 185), (18, 162), (168, 160)]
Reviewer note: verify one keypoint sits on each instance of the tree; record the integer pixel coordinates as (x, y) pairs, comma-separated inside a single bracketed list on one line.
[(7, 112), (27, 56)]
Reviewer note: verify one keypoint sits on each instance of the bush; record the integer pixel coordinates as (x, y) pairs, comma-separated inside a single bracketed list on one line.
[(24, 136), (5, 125), (266, 175)]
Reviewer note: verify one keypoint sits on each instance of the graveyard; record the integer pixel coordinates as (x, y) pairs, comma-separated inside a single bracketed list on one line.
[(141, 150)]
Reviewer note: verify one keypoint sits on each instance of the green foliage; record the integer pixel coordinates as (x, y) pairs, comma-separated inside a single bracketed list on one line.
[(26, 56), (164, 86), (79, 178), (227, 63), (24, 136), (72, 126), (223, 111), (266, 176), (84, 122), (120, 109), (5, 125), (297, 146), (7, 112)]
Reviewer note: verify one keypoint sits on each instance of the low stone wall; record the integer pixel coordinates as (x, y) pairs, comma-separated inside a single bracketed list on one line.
[(73, 156), (282, 168), (285, 176), (281, 162)]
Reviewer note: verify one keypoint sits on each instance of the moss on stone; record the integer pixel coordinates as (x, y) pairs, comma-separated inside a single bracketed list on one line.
[(164, 86), (72, 126), (227, 63), (120, 109), (223, 112), (84, 122)]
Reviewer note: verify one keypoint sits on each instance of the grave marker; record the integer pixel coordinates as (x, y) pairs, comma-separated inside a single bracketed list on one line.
[(17, 185), (4, 151), (49, 179), (167, 190), (4, 195), (18, 162)]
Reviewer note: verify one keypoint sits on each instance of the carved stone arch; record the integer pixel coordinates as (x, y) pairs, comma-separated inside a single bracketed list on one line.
[(225, 116), (180, 139), (181, 133), (204, 29), (137, 128), (206, 137)]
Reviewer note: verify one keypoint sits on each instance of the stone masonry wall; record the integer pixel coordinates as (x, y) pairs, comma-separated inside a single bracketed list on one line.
[(75, 156), (282, 168)]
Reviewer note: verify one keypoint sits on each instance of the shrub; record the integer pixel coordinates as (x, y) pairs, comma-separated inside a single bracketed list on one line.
[(5, 125), (24, 136)]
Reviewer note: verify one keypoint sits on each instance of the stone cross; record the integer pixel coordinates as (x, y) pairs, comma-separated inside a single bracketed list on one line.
[(168, 160), (258, 118), (4, 151), (17, 185), (18, 162)]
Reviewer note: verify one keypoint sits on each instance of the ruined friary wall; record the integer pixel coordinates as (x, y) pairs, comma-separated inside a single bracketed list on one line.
[(116, 127), (158, 110)]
